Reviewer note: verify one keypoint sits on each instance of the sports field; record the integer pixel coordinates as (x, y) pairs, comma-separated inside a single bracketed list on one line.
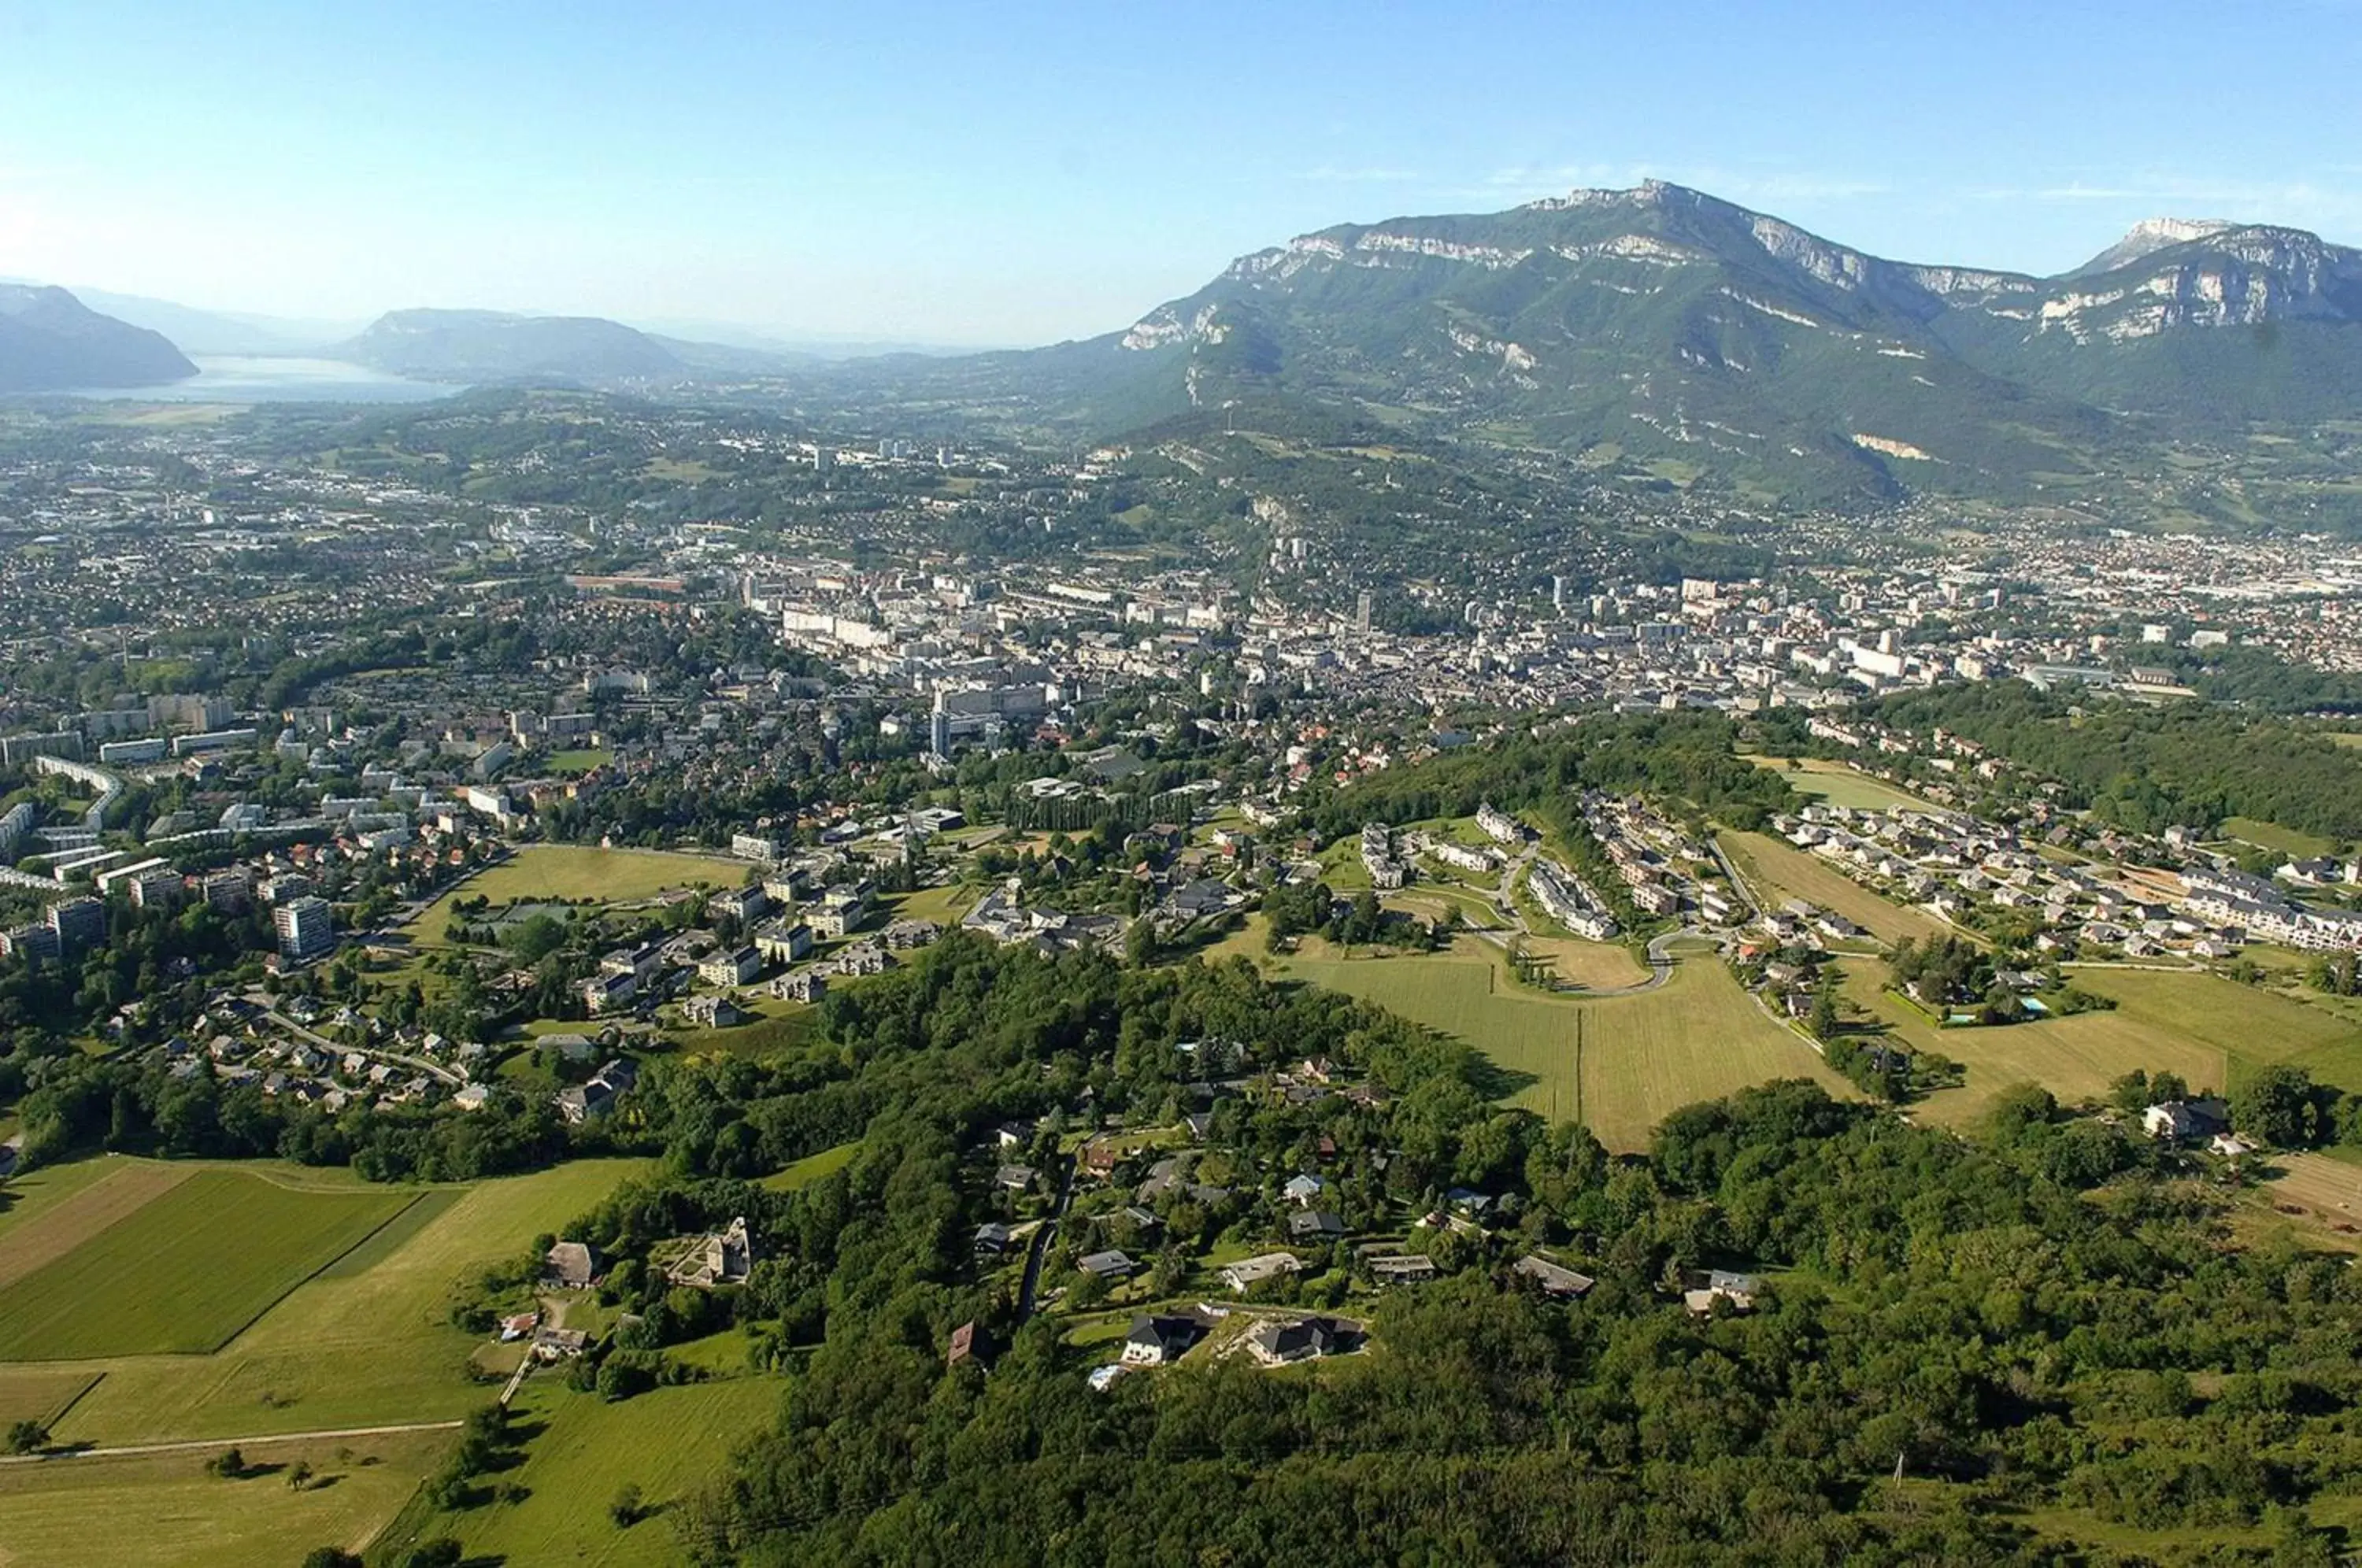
[(1779, 871), (164, 1511), (366, 1341), (1697, 1037), (181, 1265), (667, 1443), (1840, 784)]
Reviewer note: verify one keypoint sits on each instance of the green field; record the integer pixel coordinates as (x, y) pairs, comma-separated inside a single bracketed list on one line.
[(580, 760), (1697, 1037), (365, 1341), (2271, 835), (2205, 1028), (1841, 786), (667, 1443), (164, 1511), (1779, 871), (811, 1167), (185, 1271), (945, 906), (576, 872)]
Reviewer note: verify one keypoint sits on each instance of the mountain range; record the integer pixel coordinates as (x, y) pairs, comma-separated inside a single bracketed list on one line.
[(1663, 324), (1653, 332), (51, 340)]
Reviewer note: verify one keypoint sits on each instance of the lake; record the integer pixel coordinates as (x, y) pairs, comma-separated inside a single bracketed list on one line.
[(224, 378)]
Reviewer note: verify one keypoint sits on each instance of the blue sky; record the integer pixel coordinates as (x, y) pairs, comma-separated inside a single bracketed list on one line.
[(1004, 173)]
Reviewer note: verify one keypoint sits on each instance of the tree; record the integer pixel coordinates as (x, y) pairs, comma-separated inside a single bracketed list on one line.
[(27, 1437), (1824, 1022), (229, 1465), (626, 1508), (2276, 1105), (331, 1557), (299, 1475)]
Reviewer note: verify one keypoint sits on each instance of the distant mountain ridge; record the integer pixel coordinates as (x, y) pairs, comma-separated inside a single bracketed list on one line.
[(492, 346), (1666, 325), (50, 341)]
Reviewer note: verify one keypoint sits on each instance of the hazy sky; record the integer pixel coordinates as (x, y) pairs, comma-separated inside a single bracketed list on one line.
[(1004, 173)]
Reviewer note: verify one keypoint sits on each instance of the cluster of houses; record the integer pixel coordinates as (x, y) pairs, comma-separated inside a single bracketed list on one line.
[(1954, 863), (1662, 869), (236, 1042), (1570, 901)]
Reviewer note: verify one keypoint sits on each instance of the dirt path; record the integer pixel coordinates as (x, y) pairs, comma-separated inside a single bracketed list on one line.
[(197, 1445)]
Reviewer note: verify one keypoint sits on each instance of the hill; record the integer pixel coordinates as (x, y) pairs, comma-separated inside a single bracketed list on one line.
[(50, 341), (489, 345), (197, 331)]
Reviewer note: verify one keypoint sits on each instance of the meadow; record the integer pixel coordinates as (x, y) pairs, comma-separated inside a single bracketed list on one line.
[(2208, 1030), (576, 872), (1841, 785), (2272, 836), (1779, 871), (1696, 1037), (181, 1270), (366, 1341), (164, 1511), (811, 1168), (667, 1443)]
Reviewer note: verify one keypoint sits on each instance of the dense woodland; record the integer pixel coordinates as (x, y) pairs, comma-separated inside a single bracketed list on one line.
[(2151, 769)]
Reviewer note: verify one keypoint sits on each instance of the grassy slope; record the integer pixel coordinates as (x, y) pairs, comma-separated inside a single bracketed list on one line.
[(164, 1511), (667, 1443), (1840, 784), (1697, 1037), (1779, 871), (353, 1346), (186, 1270)]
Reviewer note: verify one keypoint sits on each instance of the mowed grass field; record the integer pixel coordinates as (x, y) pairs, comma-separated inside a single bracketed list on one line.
[(1779, 871), (579, 871), (667, 1443), (182, 1269), (366, 1341), (1840, 784), (2271, 835), (2208, 1030), (164, 1511), (1697, 1037)]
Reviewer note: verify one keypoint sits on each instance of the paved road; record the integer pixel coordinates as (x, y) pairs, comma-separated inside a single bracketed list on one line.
[(199, 1444), (1043, 1234), (325, 1044)]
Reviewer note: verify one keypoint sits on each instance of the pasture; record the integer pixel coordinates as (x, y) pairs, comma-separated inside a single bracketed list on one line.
[(1697, 1037), (667, 1443), (181, 1270), (1779, 871), (164, 1511), (1841, 785), (366, 1341)]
